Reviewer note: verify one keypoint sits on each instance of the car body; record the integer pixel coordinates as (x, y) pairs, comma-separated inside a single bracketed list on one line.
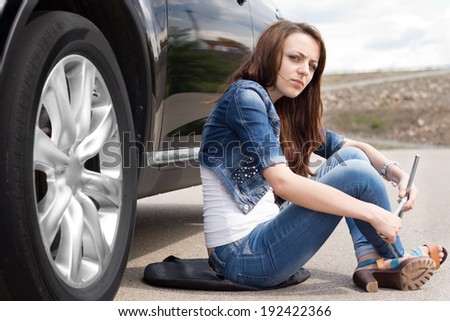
[(102, 102)]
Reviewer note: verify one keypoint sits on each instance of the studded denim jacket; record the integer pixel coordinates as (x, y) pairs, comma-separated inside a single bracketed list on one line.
[(241, 138)]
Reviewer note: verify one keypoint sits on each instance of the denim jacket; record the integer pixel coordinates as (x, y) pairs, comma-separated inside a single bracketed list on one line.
[(241, 138)]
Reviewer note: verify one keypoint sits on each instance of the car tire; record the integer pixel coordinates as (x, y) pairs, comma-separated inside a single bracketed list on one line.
[(68, 165)]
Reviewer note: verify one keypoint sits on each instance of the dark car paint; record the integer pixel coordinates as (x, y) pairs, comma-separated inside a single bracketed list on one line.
[(174, 55)]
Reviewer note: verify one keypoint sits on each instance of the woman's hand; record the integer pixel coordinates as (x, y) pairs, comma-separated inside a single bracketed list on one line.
[(412, 193), (386, 224)]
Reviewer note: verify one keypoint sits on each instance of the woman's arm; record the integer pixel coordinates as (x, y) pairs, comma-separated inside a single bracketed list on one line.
[(323, 198), (395, 173)]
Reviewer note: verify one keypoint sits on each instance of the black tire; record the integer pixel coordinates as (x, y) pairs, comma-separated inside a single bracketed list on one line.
[(80, 250)]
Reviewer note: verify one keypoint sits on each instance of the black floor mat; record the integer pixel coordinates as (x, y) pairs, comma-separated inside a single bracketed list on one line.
[(195, 274)]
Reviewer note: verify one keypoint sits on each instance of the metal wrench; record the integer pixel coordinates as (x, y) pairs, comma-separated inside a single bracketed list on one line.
[(399, 210)]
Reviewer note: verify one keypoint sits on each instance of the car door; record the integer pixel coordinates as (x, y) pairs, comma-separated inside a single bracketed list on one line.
[(207, 39)]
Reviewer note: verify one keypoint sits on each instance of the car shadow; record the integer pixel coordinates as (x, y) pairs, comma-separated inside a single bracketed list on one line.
[(159, 225)]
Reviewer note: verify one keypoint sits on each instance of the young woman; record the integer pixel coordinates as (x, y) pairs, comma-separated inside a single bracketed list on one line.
[(265, 213)]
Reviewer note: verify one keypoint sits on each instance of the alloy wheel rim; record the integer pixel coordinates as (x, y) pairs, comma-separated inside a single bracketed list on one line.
[(78, 180)]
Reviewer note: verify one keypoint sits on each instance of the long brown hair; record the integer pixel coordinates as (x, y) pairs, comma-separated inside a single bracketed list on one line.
[(300, 117)]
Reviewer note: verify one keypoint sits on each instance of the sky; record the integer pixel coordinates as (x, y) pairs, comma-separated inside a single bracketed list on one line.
[(367, 35)]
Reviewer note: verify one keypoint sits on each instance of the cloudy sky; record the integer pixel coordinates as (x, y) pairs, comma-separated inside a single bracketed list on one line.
[(378, 34)]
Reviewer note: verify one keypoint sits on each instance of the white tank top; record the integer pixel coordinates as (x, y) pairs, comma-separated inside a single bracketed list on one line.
[(223, 221)]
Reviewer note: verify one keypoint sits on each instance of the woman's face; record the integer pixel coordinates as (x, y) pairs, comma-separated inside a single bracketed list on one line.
[(300, 57)]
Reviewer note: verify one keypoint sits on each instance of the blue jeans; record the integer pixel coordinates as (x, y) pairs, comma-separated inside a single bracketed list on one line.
[(276, 249)]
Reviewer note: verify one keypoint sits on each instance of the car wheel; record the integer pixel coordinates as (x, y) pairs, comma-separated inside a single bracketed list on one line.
[(69, 173)]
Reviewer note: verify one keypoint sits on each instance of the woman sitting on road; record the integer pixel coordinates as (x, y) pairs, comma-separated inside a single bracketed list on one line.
[(255, 151)]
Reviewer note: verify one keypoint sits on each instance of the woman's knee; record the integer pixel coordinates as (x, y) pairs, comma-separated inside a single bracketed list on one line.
[(360, 168), (352, 153), (352, 172), (340, 158)]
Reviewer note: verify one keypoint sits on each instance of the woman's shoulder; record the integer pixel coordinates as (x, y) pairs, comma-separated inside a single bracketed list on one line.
[(248, 84), (248, 88)]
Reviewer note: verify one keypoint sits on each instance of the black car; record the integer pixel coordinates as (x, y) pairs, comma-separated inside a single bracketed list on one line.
[(102, 102)]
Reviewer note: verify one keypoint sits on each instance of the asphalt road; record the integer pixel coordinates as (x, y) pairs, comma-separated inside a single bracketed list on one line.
[(171, 224)]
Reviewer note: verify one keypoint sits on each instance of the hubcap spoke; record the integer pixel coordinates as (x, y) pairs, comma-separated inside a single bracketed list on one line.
[(47, 156), (69, 254), (56, 101), (105, 128), (104, 189), (95, 246), (52, 209), (81, 81)]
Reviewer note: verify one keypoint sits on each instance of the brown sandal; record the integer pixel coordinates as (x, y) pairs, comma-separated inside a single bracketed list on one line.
[(434, 253), (409, 274)]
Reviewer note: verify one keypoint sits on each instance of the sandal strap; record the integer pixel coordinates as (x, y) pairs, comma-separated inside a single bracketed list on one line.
[(366, 262), (381, 263), (434, 254)]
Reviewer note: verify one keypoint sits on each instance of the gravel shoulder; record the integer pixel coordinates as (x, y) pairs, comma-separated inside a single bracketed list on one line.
[(393, 109)]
